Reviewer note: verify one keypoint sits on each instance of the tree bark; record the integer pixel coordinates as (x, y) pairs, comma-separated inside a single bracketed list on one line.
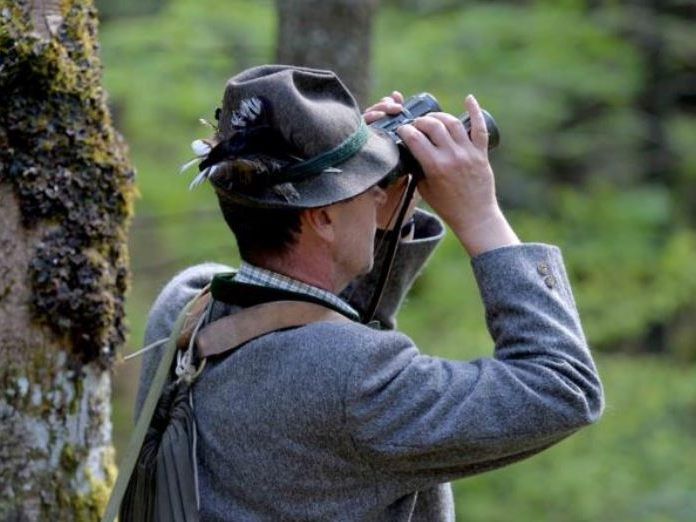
[(329, 34), (66, 195), (656, 99)]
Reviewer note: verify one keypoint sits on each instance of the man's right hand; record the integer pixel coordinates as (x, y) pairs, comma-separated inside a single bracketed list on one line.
[(459, 183)]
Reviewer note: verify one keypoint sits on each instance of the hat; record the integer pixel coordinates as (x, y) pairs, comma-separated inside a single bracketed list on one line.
[(292, 137)]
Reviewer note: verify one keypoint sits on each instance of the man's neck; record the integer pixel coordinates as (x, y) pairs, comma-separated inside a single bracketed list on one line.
[(312, 270)]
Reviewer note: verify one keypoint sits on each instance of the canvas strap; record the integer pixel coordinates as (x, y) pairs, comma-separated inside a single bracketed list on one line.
[(232, 331), (138, 436)]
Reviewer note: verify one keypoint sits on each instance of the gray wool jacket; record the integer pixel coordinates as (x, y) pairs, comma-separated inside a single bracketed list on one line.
[(340, 421)]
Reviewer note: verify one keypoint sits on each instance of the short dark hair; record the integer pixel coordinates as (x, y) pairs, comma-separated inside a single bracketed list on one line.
[(261, 231)]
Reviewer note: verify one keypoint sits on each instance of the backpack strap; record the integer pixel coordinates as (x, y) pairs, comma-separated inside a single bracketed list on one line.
[(198, 307), (155, 391), (232, 331)]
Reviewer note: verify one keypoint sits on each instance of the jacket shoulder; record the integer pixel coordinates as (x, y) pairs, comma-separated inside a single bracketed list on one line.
[(171, 300), (176, 293), (350, 345)]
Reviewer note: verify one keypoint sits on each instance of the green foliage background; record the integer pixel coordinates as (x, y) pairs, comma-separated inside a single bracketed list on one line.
[(569, 84)]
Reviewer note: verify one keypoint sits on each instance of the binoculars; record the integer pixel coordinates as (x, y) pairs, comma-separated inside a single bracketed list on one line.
[(419, 105)]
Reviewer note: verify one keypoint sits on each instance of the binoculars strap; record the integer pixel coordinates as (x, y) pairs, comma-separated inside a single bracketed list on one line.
[(392, 237)]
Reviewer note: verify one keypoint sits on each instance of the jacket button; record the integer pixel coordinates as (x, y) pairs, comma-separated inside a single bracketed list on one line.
[(543, 269), (550, 281)]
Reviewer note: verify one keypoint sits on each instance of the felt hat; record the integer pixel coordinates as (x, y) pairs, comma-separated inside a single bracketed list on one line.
[(293, 137)]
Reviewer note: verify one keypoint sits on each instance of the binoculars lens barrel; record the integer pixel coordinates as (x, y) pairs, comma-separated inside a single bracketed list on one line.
[(416, 106), (422, 104)]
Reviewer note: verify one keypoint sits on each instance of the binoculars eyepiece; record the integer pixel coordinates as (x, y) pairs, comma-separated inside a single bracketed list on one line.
[(417, 106)]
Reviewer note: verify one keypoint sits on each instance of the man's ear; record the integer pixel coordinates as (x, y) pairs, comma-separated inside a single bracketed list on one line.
[(320, 221)]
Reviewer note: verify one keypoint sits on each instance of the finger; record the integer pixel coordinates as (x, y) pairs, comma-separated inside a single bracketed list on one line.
[(435, 130), (479, 133), (398, 97), (374, 107), (394, 108), (371, 116), (454, 126), (417, 142), (389, 107)]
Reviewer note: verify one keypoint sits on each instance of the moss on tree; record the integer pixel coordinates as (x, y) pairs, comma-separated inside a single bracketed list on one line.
[(69, 171), (68, 190)]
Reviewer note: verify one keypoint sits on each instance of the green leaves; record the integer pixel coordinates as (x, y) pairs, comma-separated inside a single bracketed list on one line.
[(562, 81)]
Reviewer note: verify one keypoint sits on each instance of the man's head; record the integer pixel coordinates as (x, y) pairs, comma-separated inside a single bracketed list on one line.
[(294, 164), (339, 237)]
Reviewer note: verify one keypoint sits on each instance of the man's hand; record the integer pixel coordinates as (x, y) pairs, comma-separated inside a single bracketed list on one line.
[(459, 183), (390, 105)]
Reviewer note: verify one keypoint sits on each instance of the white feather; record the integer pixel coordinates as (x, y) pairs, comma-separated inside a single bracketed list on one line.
[(202, 177), (188, 165), (200, 147), (205, 122)]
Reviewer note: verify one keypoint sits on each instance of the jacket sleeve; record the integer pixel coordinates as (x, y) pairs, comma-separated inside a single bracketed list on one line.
[(411, 256), (427, 420), (171, 300)]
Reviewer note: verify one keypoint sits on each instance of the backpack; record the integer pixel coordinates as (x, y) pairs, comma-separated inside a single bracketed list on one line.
[(158, 478)]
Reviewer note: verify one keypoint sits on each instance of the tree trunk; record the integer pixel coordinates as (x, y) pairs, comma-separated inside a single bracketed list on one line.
[(657, 99), (65, 198), (329, 34)]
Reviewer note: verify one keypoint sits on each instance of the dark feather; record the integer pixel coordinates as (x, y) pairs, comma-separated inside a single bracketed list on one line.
[(247, 142), (248, 173), (286, 191)]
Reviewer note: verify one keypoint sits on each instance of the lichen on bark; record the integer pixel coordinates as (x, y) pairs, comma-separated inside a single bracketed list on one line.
[(66, 191), (56, 457), (69, 171)]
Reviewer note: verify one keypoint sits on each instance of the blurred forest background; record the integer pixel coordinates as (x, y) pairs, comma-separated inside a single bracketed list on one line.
[(596, 101)]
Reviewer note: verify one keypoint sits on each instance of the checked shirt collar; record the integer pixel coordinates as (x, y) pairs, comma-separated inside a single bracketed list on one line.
[(254, 275)]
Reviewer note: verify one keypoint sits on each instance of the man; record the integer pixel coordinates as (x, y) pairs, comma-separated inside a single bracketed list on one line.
[(341, 420)]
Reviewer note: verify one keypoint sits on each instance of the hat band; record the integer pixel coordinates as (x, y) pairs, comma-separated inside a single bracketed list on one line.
[(345, 150)]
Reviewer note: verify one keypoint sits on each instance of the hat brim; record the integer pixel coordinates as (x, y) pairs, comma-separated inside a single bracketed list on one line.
[(376, 160)]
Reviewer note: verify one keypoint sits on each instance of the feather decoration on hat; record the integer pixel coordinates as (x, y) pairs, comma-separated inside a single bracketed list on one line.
[(249, 110), (254, 152), (201, 148), (205, 122), (287, 191)]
